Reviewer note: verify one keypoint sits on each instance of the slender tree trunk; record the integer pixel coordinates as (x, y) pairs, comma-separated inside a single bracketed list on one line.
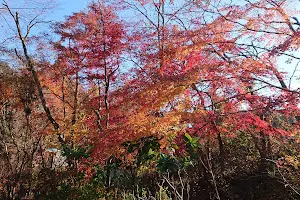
[(63, 96), (221, 152), (75, 104), (106, 71), (30, 67)]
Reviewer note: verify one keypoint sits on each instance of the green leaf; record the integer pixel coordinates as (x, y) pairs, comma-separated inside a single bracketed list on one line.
[(151, 152), (187, 136)]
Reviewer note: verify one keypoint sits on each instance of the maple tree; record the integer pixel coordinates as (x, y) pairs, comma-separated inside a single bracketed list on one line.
[(89, 52), (201, 73), (181, 82)]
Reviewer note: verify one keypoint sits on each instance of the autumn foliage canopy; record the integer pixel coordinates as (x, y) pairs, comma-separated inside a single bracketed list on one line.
[(193, 76)]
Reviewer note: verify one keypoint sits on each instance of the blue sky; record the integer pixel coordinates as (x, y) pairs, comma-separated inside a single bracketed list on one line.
[(67, 7)]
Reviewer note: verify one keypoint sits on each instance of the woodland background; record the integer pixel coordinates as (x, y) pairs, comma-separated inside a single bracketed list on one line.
[(150, 99)]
